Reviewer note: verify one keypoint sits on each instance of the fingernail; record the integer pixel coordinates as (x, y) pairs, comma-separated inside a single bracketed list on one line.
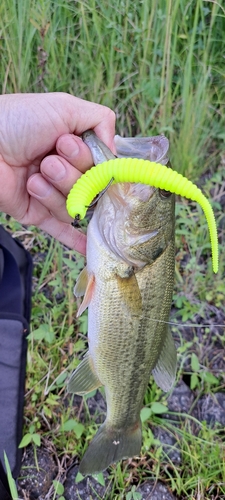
[(38, 186), (53, 168), (68, 147)]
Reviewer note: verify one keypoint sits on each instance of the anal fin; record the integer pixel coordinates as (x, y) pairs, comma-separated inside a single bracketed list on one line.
[(84, 378), (164, 372)]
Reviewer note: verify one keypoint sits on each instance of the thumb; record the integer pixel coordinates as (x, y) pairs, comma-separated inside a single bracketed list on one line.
[(83, 115)]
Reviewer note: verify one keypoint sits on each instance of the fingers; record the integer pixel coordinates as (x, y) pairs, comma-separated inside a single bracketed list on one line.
[(65, 233), (50, 197), (40, 216), (52, 185), (58, 175), (75, 151)]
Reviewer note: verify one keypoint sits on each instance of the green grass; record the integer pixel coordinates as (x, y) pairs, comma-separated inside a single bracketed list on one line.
[(57, 341), (161, 67), (11, 481)]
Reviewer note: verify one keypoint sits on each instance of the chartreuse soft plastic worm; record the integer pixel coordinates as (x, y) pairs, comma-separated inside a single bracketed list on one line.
[(144, 172)]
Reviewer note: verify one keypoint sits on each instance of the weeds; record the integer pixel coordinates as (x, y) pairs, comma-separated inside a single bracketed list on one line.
[(160, 75), (12, 484), (161, 67)]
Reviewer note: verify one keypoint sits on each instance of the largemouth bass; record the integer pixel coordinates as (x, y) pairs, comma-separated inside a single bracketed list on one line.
[(127, 287)]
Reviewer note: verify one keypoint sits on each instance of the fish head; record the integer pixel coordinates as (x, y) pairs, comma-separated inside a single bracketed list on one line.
[(135, 222)]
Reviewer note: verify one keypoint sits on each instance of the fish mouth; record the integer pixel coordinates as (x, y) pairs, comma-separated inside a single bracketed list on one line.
[(127, 194), (153, 148)]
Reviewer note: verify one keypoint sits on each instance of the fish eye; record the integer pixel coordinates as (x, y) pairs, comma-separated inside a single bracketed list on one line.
[(165, 194)]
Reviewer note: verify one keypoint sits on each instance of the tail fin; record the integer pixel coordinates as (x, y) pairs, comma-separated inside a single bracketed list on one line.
[(111, 445)]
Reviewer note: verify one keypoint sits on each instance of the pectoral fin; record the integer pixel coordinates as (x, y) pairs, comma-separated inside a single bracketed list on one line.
[(81, 284), (164, 372), (131, 295), (87, 296), (84, 378)]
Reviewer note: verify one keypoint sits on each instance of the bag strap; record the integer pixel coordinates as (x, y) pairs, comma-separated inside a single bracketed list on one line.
[(15, 303)]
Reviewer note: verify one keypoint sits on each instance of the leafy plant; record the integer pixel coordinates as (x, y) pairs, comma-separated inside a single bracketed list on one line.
[(201, 374), (133, 494), (59, 490), (31, 437), (160, 66)]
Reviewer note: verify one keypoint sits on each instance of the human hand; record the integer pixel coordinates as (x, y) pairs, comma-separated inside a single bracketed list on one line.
[(34, 182)]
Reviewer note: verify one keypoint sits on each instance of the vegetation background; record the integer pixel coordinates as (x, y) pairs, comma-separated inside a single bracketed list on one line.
[(161, 66)]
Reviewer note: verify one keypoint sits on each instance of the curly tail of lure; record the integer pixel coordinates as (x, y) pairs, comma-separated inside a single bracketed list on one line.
[(144, 172)]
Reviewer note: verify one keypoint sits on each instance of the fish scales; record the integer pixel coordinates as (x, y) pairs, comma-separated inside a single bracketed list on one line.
[(130, 265), (128, 344)]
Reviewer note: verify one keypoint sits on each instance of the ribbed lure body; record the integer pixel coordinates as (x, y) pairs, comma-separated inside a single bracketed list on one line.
[(144, 172)]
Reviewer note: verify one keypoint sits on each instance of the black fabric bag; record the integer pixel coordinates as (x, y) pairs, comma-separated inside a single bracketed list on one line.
[(15, 305)]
